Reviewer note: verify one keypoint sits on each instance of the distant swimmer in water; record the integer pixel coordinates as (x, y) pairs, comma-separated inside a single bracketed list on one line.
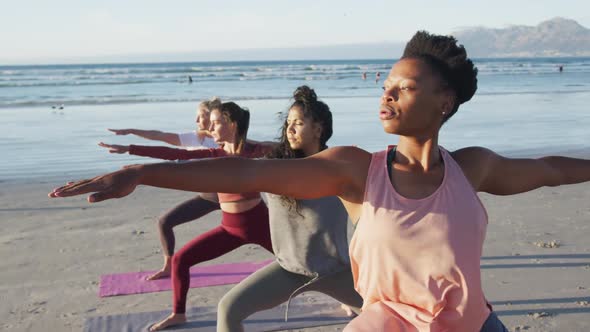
[(561, 68), (364, 76), (190, 79), (377, 77)]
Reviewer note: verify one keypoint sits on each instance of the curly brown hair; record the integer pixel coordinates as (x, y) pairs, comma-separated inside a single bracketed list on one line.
[(307, 101)]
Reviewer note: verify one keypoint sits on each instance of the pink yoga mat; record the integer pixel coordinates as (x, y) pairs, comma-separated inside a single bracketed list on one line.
[(201, 276)]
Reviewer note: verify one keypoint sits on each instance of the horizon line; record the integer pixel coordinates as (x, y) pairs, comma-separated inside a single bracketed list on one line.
[(267, 61)]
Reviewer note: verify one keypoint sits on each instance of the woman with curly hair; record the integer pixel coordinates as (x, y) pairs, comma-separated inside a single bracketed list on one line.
[(309, 236)]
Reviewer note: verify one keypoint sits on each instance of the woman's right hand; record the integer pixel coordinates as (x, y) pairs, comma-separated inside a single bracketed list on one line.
[(114, 148), (113, 185)]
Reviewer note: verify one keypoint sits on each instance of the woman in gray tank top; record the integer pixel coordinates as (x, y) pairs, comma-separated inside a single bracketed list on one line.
[(309, 237)]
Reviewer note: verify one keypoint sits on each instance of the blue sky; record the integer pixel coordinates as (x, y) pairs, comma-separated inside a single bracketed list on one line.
[(44, 31)]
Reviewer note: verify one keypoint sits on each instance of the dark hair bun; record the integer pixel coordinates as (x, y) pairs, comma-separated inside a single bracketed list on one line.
[(449, 58), (305, 95)]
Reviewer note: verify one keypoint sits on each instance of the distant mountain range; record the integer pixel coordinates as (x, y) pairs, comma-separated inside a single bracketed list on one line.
[(558, 37), (553, 38)]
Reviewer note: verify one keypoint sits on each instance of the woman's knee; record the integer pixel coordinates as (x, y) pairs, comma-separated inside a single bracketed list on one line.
[(350, 327), (223, 308), (165, 222), (361, 324), (179, 260), (229, 314), (228, 306)]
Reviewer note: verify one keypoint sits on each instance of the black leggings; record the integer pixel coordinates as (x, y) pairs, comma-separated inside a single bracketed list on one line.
[(493, 324), (184, 212)]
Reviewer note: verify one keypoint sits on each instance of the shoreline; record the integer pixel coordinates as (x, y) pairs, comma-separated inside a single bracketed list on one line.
[(47, 106)]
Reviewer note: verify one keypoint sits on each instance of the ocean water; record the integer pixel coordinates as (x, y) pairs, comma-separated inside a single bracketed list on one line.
[(24, 86), (522, 105)]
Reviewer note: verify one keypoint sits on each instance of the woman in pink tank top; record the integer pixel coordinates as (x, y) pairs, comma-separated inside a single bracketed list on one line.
[(416, 251)]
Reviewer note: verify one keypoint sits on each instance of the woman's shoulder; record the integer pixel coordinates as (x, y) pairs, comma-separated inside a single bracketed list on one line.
[(474, 162), (351, 158), (472, 154), (345, 153)]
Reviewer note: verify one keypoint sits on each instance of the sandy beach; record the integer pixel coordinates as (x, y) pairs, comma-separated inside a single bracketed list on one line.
[(536, 264)]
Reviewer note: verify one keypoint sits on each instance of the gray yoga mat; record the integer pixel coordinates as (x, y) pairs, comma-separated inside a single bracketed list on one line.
[(304, 311)]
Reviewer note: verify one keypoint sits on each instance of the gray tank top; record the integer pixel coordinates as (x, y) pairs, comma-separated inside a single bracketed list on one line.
[(312, 239)]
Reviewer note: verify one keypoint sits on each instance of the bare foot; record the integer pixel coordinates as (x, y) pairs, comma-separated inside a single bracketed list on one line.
[(164, 272), (173, 319), (347, 309)]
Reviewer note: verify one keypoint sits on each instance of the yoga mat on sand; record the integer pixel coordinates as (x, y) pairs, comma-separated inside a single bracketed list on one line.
[(201, 276), (304, 311)]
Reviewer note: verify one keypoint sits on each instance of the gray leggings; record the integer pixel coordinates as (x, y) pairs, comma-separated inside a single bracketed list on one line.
[(271, 286)]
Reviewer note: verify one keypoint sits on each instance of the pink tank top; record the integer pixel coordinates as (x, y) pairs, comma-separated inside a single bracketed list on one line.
[(416, 262)]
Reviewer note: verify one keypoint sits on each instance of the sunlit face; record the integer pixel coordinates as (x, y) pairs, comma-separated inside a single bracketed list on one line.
[(202, 118), (221, 128), (413, 100), (302, 132)]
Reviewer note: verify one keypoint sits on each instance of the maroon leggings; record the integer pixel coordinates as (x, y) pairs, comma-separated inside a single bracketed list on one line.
[(236, 229)]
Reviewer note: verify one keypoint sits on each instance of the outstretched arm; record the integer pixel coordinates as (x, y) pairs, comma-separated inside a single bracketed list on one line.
[(167, 153), (337, 171), (155, 135), (499, 175), (162, 152)]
